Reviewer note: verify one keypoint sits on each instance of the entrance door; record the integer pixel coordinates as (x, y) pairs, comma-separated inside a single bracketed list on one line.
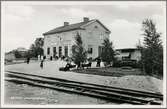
[(60, 51)]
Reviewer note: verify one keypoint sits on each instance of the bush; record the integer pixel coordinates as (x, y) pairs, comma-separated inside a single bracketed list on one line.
[(131, 63), (117, 63), (107, 54)]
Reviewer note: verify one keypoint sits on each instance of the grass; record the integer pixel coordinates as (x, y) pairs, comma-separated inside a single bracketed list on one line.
[(109, 71)]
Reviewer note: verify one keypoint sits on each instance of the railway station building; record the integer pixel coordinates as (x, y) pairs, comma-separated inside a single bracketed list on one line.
[(59, 41)]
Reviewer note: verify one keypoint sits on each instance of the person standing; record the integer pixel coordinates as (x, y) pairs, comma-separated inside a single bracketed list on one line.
[(41, 64), (28, 60), (98, 62), (89, 62)]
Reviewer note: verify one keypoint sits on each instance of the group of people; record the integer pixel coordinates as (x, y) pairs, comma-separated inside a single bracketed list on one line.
[(88, 65), (42, 58)]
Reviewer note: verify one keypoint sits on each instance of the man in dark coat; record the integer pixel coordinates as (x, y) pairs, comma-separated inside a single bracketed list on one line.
[(28, 60), (41, 64)]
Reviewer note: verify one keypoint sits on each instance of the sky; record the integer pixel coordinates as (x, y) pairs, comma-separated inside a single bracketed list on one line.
[(23, 22)]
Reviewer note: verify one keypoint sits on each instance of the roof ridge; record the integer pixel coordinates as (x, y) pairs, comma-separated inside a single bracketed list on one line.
[(68, 27)]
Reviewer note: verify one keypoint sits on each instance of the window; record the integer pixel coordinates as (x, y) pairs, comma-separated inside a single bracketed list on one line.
[(102, 36), (54, 52), (90, 49), (48, 50), (66, 51), (60, 51)]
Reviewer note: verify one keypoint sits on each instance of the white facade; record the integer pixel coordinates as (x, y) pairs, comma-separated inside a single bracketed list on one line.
[(92, 34), (58, 40)]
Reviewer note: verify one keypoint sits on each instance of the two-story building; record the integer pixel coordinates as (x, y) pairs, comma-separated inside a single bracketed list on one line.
[(59, 41)]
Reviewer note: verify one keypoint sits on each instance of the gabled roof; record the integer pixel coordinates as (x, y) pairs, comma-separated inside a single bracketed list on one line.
[(99, 23), (72, 27)]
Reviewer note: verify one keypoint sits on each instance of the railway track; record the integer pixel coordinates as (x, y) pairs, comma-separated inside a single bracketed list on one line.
[(113, 94)]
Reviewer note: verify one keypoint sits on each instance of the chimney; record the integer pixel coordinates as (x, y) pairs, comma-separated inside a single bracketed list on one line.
[(86, 19), (66, 23)]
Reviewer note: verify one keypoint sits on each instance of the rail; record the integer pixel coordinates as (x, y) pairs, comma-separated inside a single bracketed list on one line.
[(113, 94)]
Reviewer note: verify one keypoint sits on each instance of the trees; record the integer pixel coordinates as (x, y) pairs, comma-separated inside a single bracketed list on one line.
[(152, 51), (140, 63), (107, 54), (79, 54), (36, 48), (17, 54)]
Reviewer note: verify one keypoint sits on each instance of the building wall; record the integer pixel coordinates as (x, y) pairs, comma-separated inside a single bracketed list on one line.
[(136, 55), (94, 37), (59, 39), (91, 36)]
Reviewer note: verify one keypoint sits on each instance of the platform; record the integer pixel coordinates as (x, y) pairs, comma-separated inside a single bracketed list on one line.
[(51, 69)]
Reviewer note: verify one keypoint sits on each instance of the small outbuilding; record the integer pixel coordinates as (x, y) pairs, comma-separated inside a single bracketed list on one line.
[(128, 54)]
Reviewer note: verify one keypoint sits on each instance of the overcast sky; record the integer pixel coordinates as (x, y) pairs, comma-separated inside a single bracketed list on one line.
[(23, 22)]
